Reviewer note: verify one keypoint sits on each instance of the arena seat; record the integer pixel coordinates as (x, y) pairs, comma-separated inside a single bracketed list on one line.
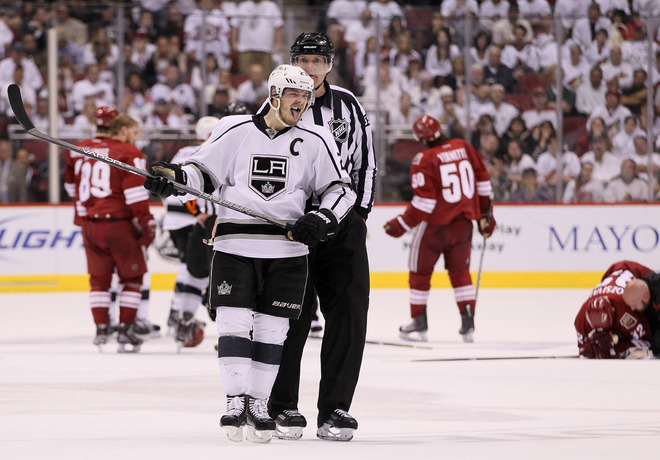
[(404, 151)]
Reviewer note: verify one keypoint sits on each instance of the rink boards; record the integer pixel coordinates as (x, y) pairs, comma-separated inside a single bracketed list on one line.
[(533, 246)]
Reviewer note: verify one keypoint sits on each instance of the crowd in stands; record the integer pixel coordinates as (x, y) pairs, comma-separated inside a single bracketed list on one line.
[(487, 70)]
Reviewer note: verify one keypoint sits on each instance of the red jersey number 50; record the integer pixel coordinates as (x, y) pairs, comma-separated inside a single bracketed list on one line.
[(457, 180)]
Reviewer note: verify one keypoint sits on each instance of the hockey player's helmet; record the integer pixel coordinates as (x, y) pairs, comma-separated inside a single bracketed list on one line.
[(104, 116), (236, 108), (205, 126), (289, 76), (427, 129), (313, 44)]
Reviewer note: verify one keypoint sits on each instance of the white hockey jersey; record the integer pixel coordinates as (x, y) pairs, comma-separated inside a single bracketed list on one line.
[(271, 172)]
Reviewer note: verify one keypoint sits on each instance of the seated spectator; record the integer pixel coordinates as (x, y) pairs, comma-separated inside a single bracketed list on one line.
[(344, 13), (504, 28), (143, 49), (69, 28), (404, 115), (70, 53), (154, 70), (540, 111), (223, 81), (547, 165), (489, 147), (218, 103), (546, 43), (210, 25), (641, 155), (617, 73), (425, 96), (455, 11), (100, 46), (491, 11), (635, 96), (575, 69), (451, 116), (606, 165), (584, 30), (620, 29), (485, 128), (403, 53), (542, 136), (365, 58), (530, 190), (212, 72), (138, 103), (13, 177), (502, 112), (591, 94), (598, 51), (626, 186), (84, 124), (384, 11), (16, 57), (501, 185), (6, 37), (253, 91), (440, 54), (388, 88), (175, 90), (635, 49), (28, 93), (497, 72), (91, 86), (168, 115), (412, 78), (622, 142), (515, 162), (613, 113), (584, 188), (358, 32), (41, 118), (520, 56), (597, 129), (518, 132), (480, 48), (534, 11)]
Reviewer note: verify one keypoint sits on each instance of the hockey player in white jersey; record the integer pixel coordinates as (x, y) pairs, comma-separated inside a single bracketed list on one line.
[(187, 224), (272, 164)]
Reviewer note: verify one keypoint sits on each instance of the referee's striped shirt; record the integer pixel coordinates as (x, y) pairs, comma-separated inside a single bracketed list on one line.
[(339, 111)]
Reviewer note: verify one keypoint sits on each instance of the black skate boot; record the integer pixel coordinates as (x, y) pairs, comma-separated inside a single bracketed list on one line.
[(146, 329), (260, 426), (315, 329), (415, 331), (467, 325), (289, 424), (172, 322), (235, 418), (102, 336), (126, 336), (340, 426)]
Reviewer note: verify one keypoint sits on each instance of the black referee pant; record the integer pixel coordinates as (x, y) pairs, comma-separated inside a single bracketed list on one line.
[(339, 274)]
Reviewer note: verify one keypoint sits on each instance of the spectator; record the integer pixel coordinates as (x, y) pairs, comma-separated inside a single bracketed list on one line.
[(223, 81), (31, 74), (635, 96), (403, 54), (174, 23), (452, 118), (29, 94), (584, 188), (591, 94), (388, 88), (504, 28), (209, 25), (212, 72), (425, 95), (598, 51), (13, 176), (345, 13), (478, 95), (597, 129), (99, 47), (635, 50), (490, 146), (616, 72), (71, 54), (92, 86), (36, 26), (530, 190), (454, 11), (480, 48), (138, 103), (154, 70), (515, 162), (520, 56), (568, 11), (384, 11), (542, 135), (497, 72), (485, 129), (585, 28), (502, 112), (68, 28), (126, 62), (6, 37), (518, 132), (627, 186), (175, 90), (254, 91), (613, 113), (546, 43), (576, 69), (642, 156), (358, 32), (365, 58), (606, 165), (622, 142), (142, 48), (534, 11), (412, 78), (540, 111), (404, 115), (41, 117), (256, 34), (439, 55), (549, 161), (145, 23), (491, 11), (218, 103), (84, 124)]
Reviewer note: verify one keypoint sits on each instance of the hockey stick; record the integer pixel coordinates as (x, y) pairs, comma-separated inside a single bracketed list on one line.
[(16, 102), (481, 263), (493, 358), (395, 344)]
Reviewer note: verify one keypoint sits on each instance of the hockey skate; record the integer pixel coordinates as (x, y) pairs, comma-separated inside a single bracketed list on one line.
[(415, 331), (235, 418), (339, 427), (102, 336), (260, 426), (190, 332), (467, 325), (126, 336), (146, 329), (316, 330), (172, 322), (289, 424)]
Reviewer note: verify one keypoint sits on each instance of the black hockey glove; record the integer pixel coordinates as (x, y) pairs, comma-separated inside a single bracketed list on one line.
[(166, 174), (315, 226)]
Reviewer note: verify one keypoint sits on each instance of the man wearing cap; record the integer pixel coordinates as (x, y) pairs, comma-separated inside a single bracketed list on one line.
[(613, 113), (540, 110)]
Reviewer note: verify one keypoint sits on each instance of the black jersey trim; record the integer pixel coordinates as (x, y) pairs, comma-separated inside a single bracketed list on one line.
[(229, 228)]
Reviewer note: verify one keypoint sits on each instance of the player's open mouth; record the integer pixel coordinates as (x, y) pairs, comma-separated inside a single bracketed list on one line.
[(296, 112)]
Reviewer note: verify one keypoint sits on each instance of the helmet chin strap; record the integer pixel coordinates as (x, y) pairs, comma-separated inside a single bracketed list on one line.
[(277, 112)]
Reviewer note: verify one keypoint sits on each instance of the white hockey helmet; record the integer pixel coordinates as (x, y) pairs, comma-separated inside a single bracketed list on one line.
[(289, 76), (205, 126)]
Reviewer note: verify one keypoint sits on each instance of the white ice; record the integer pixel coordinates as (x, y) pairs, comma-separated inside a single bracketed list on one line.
[(61, 399)]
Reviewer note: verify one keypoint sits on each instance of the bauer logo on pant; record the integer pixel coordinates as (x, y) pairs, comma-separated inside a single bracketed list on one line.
[(268, 175)]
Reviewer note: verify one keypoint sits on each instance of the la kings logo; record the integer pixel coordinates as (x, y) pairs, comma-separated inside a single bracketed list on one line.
[(268, 175), (339, 129)]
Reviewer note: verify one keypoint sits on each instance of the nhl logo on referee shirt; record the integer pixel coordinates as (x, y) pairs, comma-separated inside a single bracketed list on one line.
[(339, 129), (268, 175)]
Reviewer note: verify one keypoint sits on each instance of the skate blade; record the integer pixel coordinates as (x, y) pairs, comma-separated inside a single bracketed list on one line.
[(332, 433), (468, 337), (316, 335), (124, 349), (261, 437), (234, 433), (415, 336), (290, 433)]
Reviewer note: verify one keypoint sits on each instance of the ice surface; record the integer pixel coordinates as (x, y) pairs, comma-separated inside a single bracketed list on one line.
[(61, 399)]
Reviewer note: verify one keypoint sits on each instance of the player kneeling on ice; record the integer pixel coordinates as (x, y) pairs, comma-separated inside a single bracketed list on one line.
[(451, 188), (620, 318), (272, 163)]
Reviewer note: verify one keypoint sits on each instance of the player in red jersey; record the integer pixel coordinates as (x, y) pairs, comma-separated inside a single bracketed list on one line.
[(117, 225), (451, 188), (608, 325)]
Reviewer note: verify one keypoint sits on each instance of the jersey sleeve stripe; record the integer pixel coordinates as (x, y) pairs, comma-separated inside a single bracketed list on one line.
[(484, 188), (426, 205), (136, 194)]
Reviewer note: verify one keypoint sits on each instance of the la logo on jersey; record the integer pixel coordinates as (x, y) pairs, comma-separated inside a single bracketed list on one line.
[(268, 175)]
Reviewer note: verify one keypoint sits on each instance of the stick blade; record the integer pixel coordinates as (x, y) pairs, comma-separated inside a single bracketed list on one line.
[(16, 103)]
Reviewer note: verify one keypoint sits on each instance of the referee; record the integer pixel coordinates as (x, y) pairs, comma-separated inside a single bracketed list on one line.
[(338, 268)]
